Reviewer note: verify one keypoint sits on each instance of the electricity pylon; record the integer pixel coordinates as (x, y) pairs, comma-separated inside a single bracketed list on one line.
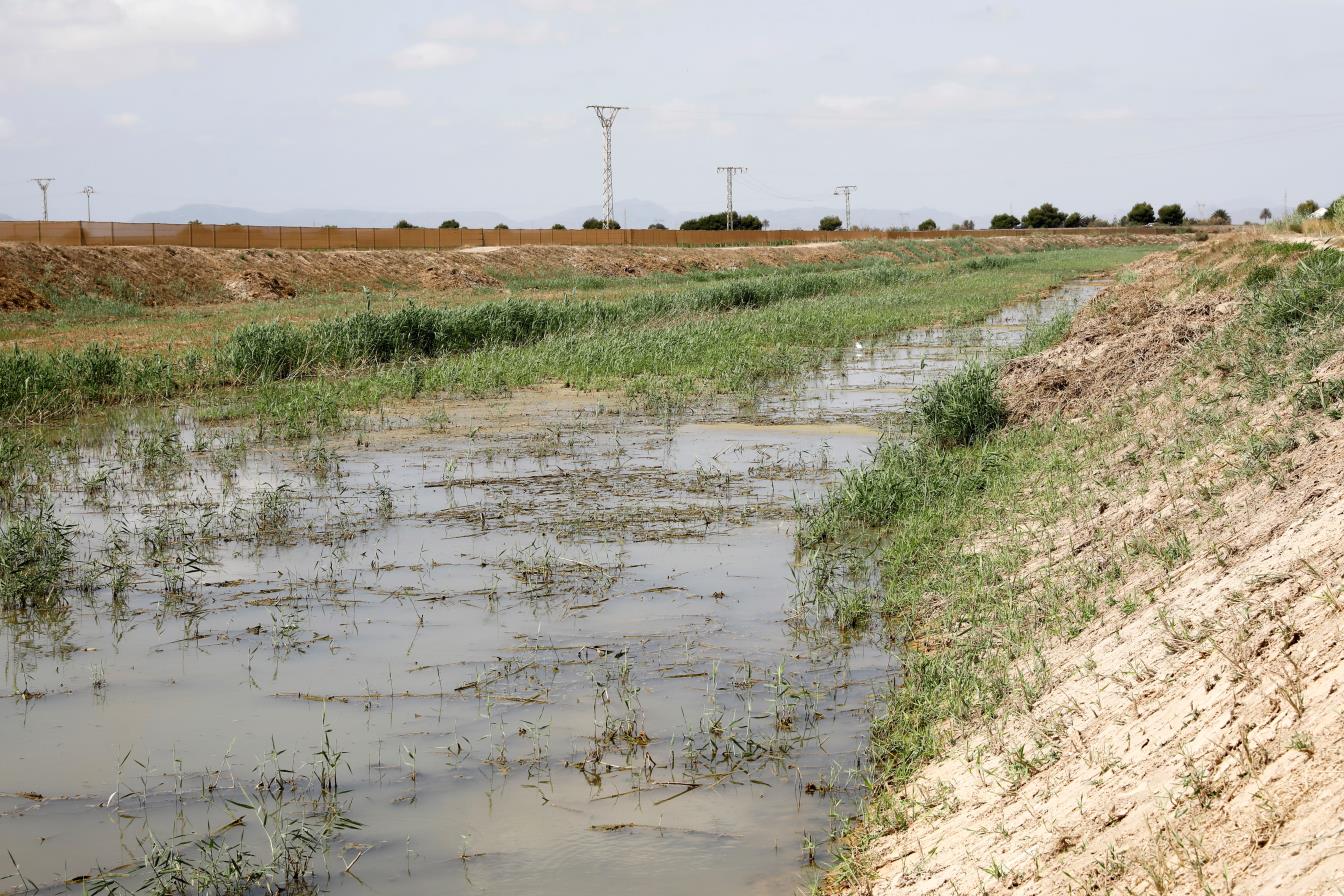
[(845, 191), (607, 115), (730, 170), (44, 182)]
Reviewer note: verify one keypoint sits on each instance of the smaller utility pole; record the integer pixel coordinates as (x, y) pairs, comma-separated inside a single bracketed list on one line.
[(88, 202), (43, 183), (730, 170), (845, 191)]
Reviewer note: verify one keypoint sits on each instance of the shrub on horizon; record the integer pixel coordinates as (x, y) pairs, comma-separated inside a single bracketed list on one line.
[(1141, 213), (1172, 215)]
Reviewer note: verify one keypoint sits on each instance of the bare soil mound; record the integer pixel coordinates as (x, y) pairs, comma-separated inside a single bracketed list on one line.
[(1131, 334), (454, 276), (167, 275), (17, 296), (257, 286)]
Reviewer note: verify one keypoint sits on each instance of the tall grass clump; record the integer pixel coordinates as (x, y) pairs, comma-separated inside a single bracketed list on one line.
[(1043, 336), (35, 562), (1314, 286), (37, 384), (967, 618), (965, 407), (267, 352)]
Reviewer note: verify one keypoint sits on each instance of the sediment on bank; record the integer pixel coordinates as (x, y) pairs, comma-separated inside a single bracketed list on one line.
[(1123, 610), (31, 274)]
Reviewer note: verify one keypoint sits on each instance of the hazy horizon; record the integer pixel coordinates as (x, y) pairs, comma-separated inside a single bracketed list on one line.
[(972, 107)]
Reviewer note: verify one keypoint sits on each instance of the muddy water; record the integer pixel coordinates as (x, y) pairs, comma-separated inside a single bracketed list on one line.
[(553, 644)]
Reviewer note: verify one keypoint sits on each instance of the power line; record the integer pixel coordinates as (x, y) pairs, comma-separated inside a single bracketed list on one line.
[(845, 190), (730, 170), (778, 195), (43, 183), (981, 118), (607, 116)]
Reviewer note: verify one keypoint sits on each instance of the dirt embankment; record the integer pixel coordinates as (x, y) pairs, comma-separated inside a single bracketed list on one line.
[(163, 275), (1190, 740), (1133, 334)]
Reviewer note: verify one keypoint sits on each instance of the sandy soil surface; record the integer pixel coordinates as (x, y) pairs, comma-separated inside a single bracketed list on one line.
[(1191, 740), (164, 275)]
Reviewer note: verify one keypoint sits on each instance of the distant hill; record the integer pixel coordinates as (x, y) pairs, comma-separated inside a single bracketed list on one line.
[(316, 217), (807, 217), (637, 213)]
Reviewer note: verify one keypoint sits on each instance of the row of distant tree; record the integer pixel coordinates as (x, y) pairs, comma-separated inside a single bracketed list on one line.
[(716, 221), (1045, 215), (1143, 213)]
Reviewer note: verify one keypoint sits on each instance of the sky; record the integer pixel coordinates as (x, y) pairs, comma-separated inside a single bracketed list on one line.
[(442, 106)]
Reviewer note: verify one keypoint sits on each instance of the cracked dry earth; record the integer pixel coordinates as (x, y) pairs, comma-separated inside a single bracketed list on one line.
[(1191, 738)]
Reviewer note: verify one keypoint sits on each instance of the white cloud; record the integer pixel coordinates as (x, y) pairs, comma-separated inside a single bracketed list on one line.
[(832, 110), (379, 99), (855, 106), (570, 7), (123, 120), (958, 96), (940, 97), (549, 123), (679, 115), (433, 54), (1106, 114), (993, 66), (469, 29), (457, 40), (75, 25), (67, 39)]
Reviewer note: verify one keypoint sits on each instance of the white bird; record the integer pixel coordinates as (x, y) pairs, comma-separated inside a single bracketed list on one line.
[(858, 347)]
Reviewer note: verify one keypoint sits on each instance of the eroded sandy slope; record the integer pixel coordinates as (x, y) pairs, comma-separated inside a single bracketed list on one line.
[(1191, 738)]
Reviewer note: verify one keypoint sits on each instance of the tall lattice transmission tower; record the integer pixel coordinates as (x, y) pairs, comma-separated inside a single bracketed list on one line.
[(607, 116), (845, 191), (730, 170), (43, 183)]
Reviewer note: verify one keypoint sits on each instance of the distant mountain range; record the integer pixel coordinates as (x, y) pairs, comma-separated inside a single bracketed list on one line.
[(636, 213)]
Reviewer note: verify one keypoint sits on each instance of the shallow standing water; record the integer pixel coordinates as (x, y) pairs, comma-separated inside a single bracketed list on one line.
[(554, 645)]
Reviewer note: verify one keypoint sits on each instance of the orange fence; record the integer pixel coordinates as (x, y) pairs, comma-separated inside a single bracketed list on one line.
[(241, 236)]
